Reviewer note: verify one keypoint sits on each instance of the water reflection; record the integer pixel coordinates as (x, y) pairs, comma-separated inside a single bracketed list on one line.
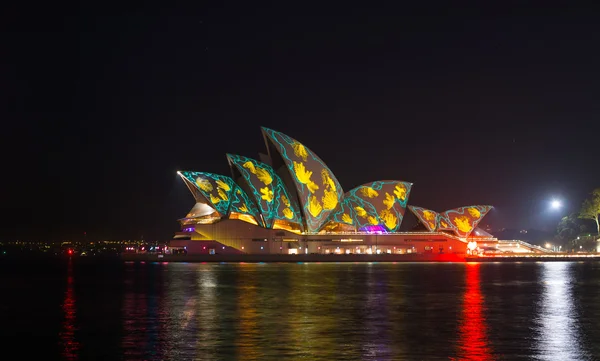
[(377, 316), (556, 319), (473, 343), (135, 314), (67, 335), (347, 312), (207, 337), (249, 334)]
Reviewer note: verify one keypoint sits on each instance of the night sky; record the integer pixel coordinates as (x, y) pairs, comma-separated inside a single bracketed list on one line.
[(492, 106)]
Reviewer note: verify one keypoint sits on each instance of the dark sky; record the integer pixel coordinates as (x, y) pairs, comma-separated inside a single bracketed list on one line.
[(492, 106)]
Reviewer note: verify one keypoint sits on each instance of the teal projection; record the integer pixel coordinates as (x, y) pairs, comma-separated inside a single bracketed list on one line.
[(268, 190), (318, 189), (215, 188), (462, 221), (379, 203), (344, 213), (430, 219), (320, 204), (241, 203)]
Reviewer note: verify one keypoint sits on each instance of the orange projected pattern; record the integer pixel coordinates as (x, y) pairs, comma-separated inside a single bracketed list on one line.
[(318, 189), (461, 221), (473, 340)]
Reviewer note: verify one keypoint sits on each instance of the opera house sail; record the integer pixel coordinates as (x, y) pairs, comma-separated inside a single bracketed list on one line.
[(291, 196)]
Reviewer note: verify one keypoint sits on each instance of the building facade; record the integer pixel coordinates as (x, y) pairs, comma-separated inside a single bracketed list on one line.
[(290, 202)]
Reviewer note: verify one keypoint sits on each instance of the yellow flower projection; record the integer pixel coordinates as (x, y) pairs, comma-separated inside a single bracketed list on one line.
[(373, 220), (389, 200), (223, 185), (327, 181), (369, 192), (262, 174), (250, 166), (474, 212), (347, 219), (360, 211), (429, 215), (204, 184), (431, 225), (214, 199), (444, 224), (312, 187), (314, 207), (304, 175), (288, 213), (222, 194), (267, 194), (400, 192), (390, 220), (300, 151), (463, 224), (330, 200), (244, 208), (285, 200)]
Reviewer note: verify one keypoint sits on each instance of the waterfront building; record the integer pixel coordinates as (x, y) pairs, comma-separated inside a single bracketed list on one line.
[(290, 202)]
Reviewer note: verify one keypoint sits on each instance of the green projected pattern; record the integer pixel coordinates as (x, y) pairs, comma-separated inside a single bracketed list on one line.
[(443, 223), (217, 189), (430, 219), (344, 213), (380, 203), (271, 196), (241, 203), (318, 189), (463, 220)]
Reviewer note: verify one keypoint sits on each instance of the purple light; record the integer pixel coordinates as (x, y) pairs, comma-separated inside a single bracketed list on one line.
[(379, 229)]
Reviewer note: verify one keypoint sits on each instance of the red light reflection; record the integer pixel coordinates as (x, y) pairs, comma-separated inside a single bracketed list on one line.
[(473, 340), (67, 335)]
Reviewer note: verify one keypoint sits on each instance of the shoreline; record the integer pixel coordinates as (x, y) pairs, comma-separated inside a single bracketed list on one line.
[(320, 258)]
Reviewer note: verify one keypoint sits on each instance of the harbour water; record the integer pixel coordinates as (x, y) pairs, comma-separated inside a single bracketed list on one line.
[(89, 310)]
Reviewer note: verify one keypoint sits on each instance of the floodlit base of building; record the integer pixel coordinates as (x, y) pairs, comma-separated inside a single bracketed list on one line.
[(234, 236)]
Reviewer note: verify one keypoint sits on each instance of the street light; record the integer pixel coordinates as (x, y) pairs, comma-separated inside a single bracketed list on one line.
[(555, 204)]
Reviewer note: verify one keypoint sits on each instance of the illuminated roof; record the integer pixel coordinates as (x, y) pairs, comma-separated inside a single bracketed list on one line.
[(462, 221), (215, 189), (318, 189), (257, 193), (381, 203), (268, 190)]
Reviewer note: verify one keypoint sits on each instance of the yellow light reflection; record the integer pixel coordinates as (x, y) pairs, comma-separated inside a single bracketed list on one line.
[(247, 304), (208, 318)]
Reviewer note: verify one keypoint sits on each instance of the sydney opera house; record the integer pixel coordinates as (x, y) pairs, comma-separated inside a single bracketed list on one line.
[(290, 202)]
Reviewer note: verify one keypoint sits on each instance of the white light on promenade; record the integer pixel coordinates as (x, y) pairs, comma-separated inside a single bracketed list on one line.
[(555, 204)]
